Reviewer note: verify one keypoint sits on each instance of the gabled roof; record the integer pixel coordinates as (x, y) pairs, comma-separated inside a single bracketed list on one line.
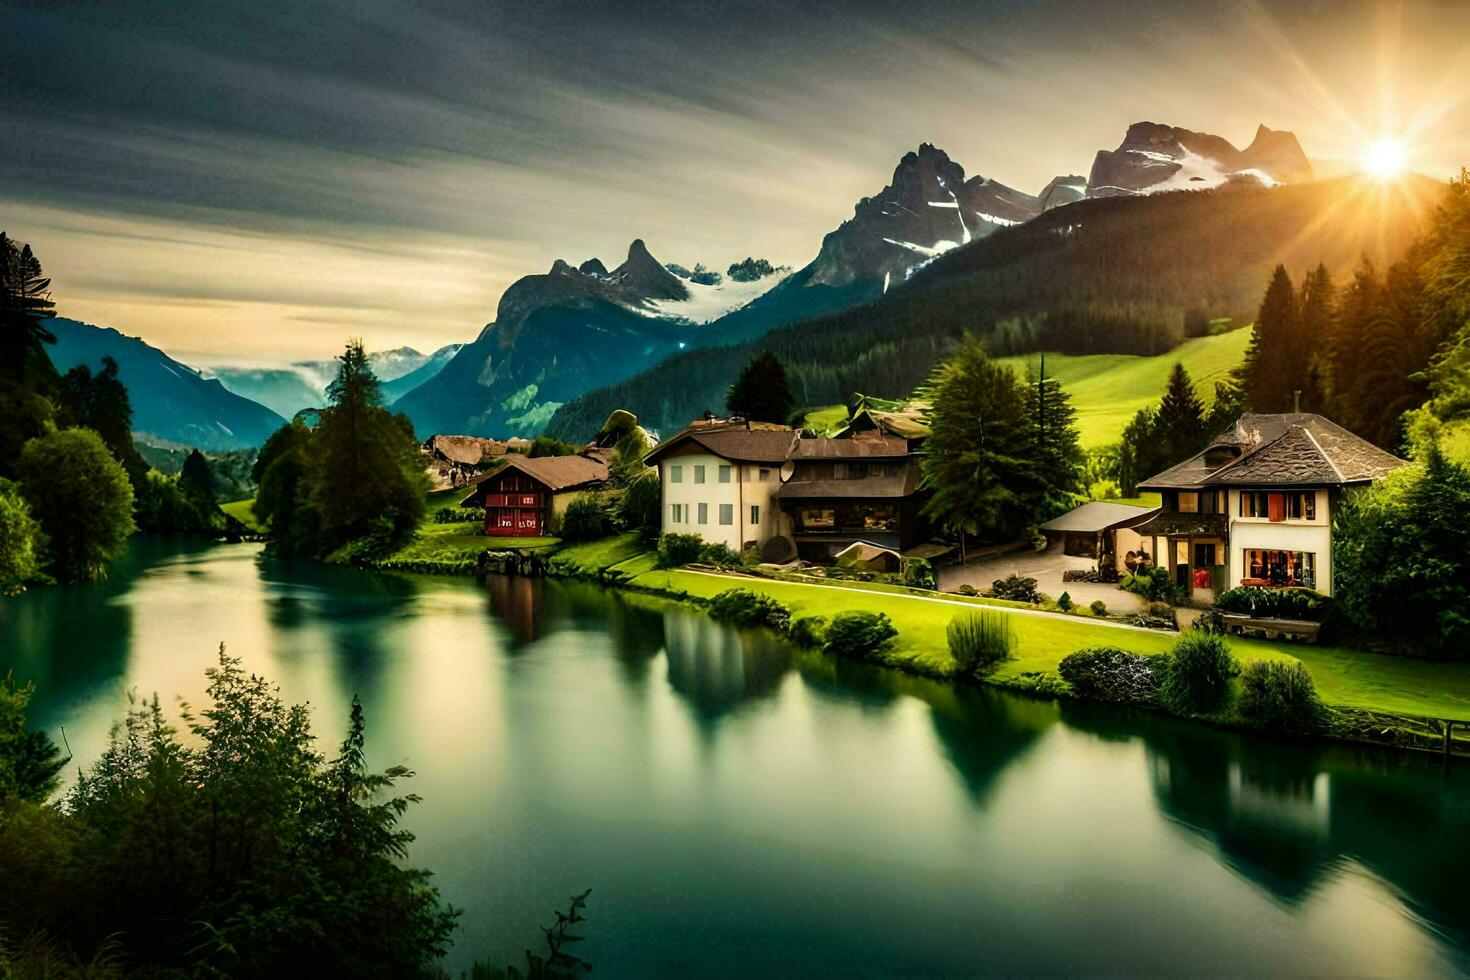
[(556, 473), (735, 440), (1099, 515), (1292, 449), (906, 423)]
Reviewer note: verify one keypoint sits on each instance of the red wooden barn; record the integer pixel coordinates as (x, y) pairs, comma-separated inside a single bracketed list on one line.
[(520, 496)]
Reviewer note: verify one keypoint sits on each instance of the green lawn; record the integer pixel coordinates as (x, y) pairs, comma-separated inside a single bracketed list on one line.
[(1346, 678), (1107, 389), (240, 511)]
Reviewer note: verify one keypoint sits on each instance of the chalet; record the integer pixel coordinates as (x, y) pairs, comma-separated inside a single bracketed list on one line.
[(1254, 507), (522, 494), (860, 487), (718, 477)]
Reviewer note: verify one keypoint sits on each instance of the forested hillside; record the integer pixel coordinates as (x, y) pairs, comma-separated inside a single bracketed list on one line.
[(1118, 275)]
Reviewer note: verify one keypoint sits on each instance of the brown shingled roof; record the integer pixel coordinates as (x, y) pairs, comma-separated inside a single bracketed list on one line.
[(1287, 449), (742, 442), (900, 485), (556, 473)]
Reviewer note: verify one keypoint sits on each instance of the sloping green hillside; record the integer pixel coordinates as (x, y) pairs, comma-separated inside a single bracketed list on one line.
[(1107, 389)]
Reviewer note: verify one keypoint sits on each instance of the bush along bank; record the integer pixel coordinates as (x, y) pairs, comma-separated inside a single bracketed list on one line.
[(949, 638), (1197, 679)]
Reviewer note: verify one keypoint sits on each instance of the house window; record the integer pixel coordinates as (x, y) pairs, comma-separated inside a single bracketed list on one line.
[(765, 474), (724, 474), (676, 473), (704, 513), (727, 513), (698, 472), (755, 514), (1277, 569), (1253, 503), (1188, 502), (1204, 555), (676, 513), (818, 517), (1295, 505)]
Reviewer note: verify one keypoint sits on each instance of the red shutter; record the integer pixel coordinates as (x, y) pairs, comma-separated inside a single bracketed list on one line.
[(1276, 506)]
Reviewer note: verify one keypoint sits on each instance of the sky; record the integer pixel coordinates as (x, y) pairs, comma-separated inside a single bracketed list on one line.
[(256, 182)]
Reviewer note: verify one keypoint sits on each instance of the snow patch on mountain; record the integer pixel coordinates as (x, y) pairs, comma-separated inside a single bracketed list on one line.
[(707, 303)]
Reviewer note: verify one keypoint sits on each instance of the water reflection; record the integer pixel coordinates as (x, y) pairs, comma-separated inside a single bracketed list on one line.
[(801, 814), (717, 669)]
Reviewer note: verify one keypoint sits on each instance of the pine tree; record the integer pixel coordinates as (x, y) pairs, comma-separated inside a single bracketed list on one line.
[(1311, 348), (1271, 371), (196, 474), (366, 475), (760, 392), (1060, 461), (979, 461), (25, 302), (1180, 424), (100, 402)]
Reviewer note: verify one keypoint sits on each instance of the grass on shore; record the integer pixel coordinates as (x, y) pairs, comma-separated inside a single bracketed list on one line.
[(240, 511)]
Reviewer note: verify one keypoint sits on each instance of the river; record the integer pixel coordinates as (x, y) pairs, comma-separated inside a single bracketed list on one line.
[(740, 808)]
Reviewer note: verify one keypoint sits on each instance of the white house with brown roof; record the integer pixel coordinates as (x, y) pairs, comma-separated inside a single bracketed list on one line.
[(718, 478), (1254, 507)]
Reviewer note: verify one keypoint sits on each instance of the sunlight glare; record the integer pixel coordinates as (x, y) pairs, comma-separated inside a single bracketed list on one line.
[(1385, 158)]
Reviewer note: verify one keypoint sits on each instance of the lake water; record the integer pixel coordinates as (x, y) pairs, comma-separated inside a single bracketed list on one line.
[(742, 809)]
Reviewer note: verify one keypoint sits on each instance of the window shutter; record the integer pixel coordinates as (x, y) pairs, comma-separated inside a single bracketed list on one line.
[(1276, 506)]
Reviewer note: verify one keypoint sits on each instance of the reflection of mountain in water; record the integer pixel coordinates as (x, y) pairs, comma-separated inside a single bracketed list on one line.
[(715, 668)]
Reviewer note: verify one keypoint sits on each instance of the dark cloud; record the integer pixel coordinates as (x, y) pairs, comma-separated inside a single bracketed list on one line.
[(476, 141)]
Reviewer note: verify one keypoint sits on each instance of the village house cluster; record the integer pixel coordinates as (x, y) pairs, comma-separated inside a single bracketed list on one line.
[(1253, 508)]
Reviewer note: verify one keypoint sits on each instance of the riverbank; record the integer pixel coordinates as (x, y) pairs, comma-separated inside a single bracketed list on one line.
[(1376, 698)]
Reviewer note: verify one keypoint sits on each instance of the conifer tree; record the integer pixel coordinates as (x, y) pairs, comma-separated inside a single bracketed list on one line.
[(760, 392), (979, 461), (1180, 424), (1059, 458), (1270, 359)]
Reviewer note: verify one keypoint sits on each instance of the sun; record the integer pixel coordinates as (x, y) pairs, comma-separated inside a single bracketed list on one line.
[(1385, 158)]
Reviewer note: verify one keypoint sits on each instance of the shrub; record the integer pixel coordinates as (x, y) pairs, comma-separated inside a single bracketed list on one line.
[(1280, 695), (980, 640), (459, 515), (720, 554), (742, 607), (586, 518), (1098, 607), (860, 634), (1015, 587), (1110, 674), (1164, 611), (639, 508), (918, 573), (1064, 602), (967, 590), (1212, 620), (809, 631), (21, 540), (1289, 603), (80, 495), (1154, 584), (1199, 671), (679, 549)]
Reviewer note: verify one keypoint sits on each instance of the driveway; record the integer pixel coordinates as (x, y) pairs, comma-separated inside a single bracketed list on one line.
[(1047, 568)]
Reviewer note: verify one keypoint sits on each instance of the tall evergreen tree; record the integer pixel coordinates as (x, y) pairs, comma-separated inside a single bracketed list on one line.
[(25, 305), (1311, 348), (761, 392), (1060, 461), (979, 461), (1180, 423), (366, 474), (1272, 370)]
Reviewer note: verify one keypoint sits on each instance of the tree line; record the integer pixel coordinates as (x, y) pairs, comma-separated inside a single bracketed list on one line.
[(73, 486)]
